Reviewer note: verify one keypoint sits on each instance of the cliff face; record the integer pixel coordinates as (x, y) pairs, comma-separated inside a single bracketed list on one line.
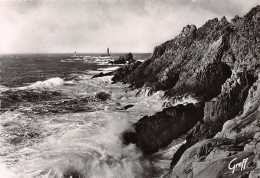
[(216, 112), (239, 137), (199, 85), (218, 65), (235, 43)]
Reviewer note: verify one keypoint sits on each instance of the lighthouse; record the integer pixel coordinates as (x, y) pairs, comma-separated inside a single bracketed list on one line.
[(108, 53)]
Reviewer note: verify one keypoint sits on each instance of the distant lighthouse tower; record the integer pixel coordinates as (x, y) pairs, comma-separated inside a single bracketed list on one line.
[(108, 53)]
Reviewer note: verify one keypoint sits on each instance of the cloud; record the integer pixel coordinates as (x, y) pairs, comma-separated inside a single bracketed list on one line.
[(94, 25)]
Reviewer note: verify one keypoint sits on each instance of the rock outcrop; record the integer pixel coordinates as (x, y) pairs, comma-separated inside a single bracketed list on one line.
[(127, 58), (199, 86), (217, 111), (120, 73), (222, 108), (154, 132), (101, 74)]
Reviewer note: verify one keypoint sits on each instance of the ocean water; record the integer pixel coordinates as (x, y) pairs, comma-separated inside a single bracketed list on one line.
[(53, 124)]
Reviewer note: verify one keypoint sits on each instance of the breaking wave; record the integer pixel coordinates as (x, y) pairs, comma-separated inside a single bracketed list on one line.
[(50, 83), (90, 146)]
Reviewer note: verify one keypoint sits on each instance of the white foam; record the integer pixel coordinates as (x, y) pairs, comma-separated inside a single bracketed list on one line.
[(184, 101), (3, 88), (50, 83), (92, 148), (109, 68), (69, 82), (145, 92), (6, 172)]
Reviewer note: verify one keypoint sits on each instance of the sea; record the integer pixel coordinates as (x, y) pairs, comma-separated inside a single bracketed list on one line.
[(56, 121)]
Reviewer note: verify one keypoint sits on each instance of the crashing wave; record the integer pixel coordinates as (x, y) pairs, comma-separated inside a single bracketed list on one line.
[(50, 83)]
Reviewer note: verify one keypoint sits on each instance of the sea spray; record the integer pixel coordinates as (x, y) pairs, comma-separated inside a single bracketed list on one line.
[(86, 145)]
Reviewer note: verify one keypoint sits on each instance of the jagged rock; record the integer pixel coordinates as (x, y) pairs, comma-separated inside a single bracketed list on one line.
[(242, 131), (159, 50), (127, 107), (220, 109), (154, 132), (127, 58), (199, 86), (120, 73), (188, 30), (245, 128), (233, 95), (175, 61), (101, 74)]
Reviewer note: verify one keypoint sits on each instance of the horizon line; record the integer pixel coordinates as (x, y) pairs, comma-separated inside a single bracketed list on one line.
[(72, 53)]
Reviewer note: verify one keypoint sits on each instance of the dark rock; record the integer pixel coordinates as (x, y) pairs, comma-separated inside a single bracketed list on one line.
[(101, 74), (154, 132), (127, 107), (120, 73), (199, 86), (127, 58), (159, 50), (102, 95)]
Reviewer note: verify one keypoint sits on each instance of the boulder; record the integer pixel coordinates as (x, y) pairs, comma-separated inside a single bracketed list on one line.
[(151, 133), (101, 74), (127, 58)]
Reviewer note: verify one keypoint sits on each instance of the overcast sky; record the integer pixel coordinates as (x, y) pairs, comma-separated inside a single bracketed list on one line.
[(94, 25)]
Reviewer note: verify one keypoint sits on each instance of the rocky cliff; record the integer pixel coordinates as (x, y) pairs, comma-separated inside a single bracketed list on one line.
[(217, 65), (234, 43)]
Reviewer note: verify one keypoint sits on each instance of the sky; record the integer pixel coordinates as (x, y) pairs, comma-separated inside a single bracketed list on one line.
[(90, 26)]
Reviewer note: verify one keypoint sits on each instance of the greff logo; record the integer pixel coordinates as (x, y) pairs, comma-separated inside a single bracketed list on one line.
[(241, 165)]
